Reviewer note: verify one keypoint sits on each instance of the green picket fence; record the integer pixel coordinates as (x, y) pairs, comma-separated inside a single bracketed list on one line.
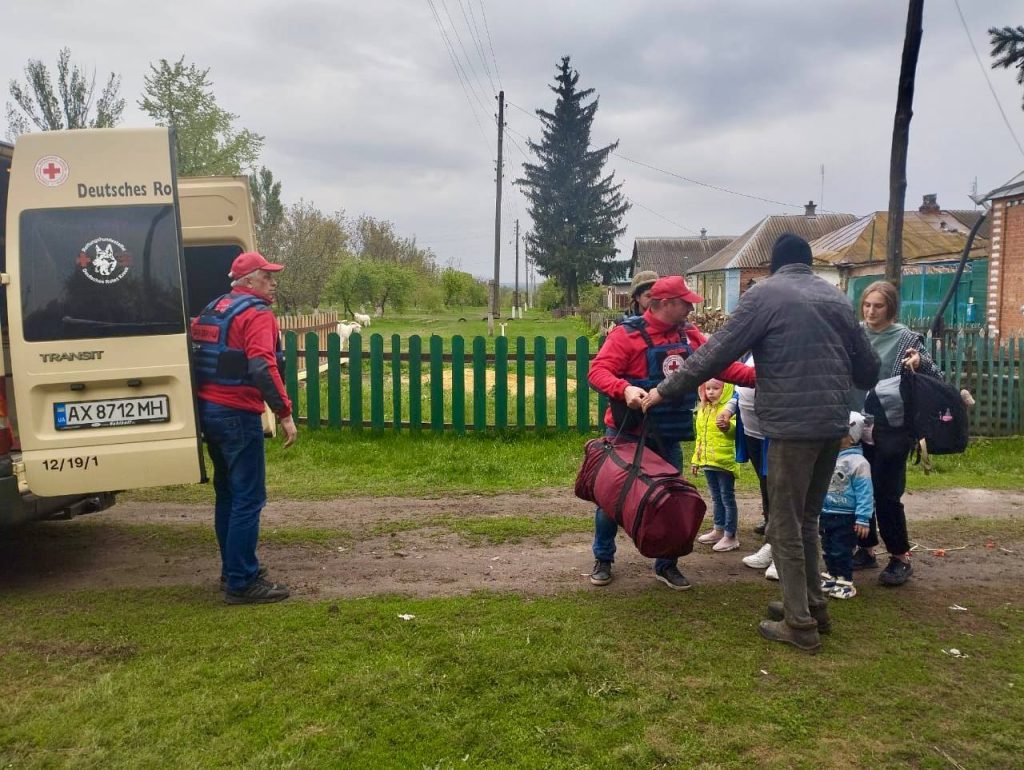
[(456, 385), (991, 372), (424, 386)]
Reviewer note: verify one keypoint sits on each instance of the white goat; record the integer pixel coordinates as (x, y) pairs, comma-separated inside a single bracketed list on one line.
[(362, 318), (345, 329)]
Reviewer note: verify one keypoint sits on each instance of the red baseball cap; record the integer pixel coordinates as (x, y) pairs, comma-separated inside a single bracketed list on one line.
[(674, 287), (249, 262)]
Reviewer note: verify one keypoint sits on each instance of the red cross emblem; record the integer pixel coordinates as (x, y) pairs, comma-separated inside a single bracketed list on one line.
[(672, 364), (51, 171)]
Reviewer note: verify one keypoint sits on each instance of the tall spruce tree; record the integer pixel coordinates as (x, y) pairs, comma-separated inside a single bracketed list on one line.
[(1008, 50), (576, 210)]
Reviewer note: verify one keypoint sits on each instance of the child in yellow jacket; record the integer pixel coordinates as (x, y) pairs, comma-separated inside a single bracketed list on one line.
[(715, 454)]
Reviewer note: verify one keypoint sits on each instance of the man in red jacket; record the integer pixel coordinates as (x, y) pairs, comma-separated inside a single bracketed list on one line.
[(636, 356), (238, 367)]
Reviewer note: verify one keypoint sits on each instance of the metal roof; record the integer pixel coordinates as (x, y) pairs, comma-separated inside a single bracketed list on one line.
[(675, 256), (865, 240), (754, 247), (1014, 187)]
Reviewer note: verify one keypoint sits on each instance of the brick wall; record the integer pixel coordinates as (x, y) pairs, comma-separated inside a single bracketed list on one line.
[(1006, 269)]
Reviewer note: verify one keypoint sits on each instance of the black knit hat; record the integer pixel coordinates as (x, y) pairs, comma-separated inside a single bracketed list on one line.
[(790, 249)]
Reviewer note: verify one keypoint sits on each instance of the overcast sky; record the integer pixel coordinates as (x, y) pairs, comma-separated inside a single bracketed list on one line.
[(364, 109)]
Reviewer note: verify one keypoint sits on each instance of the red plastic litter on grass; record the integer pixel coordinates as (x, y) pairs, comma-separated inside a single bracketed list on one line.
[(939, 552), (990, 544)]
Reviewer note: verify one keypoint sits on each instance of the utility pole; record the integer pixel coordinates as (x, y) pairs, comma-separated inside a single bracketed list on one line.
[(516, 310), (495, 309), (900, 141)]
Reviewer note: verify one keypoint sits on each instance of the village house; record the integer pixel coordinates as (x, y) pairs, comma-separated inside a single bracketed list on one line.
[(723, 277), (1005, 311), (666, 256), (933, 240)]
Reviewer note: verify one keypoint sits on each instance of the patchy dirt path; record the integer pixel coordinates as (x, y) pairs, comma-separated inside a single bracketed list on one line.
[(106, 551)]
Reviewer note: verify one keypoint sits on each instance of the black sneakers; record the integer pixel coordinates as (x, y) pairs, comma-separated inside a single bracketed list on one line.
[(601, 575), (896, 573), (673, 578), (260, 573), (864, 559), (259, 591)]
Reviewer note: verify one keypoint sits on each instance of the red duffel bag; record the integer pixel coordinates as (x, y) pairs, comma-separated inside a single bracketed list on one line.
[(644, 494)]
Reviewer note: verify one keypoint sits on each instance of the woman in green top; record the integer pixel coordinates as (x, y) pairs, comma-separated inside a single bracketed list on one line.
[(898, 348)]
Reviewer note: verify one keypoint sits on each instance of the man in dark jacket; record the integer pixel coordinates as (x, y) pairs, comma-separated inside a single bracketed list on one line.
[(810, 352)]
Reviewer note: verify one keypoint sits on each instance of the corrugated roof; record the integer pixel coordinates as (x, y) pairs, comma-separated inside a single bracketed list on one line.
[(674, 256), (754, 247), (865, 240)]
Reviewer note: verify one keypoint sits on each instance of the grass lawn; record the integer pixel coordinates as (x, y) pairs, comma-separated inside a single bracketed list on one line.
[(471, 322), (171, 678), (326, 464)]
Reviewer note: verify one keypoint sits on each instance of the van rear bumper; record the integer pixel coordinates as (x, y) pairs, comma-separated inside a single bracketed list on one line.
[(16, 508)]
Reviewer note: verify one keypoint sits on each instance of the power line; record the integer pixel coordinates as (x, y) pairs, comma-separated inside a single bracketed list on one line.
[(988, 80), (685, 178), (635, 202), (490, 45), (450, 50), (477, 44), (706, 184), (469, 62)]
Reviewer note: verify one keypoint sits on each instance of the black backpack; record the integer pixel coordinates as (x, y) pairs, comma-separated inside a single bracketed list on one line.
[(935, 412)]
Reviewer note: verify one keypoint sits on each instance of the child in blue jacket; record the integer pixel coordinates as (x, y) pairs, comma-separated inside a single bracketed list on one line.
[(846, 514)]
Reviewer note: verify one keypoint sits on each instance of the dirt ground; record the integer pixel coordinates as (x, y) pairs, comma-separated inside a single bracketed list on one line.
[(98, 551)]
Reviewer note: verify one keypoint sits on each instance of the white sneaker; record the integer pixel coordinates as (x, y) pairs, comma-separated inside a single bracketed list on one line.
[(843, 589), (727, 543), (771, 573), (761, 559)]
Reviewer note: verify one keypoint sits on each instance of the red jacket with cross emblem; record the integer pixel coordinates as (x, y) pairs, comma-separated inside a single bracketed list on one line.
[(624, 354)]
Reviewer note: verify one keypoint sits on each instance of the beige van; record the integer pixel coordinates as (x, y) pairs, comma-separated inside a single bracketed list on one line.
[(105, 256)]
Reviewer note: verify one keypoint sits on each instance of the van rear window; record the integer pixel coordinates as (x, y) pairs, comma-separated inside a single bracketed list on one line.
[(111, 271)]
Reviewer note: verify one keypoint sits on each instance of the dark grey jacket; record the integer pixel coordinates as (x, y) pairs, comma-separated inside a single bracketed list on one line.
[(810, 351)]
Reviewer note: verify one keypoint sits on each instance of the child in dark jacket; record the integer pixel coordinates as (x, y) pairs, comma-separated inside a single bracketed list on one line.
[(846, 513)]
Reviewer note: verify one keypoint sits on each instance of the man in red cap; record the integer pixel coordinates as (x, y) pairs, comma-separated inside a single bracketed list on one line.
[(635, 357), (238, 367)]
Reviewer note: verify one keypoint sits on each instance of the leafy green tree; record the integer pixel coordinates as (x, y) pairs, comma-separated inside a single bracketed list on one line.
[(207, 141), (268, 210), (549, 295), (313, 245), (577, 210), (395, 285), (460, 289), (70, 106), (1008, 50)]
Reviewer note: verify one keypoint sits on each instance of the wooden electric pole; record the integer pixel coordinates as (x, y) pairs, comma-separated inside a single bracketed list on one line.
[(495, 309), (900, 142)]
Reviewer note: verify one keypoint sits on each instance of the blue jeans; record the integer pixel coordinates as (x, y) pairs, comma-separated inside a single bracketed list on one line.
[(722, 486), (234, 439), (605, 526), (838, 539)]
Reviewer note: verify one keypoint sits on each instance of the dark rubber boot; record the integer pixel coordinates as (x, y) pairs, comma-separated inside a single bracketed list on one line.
[(805, 639), (820, 614)]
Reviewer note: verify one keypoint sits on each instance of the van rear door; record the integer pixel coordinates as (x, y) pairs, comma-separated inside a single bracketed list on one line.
[(99, 343), (217, 225)]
